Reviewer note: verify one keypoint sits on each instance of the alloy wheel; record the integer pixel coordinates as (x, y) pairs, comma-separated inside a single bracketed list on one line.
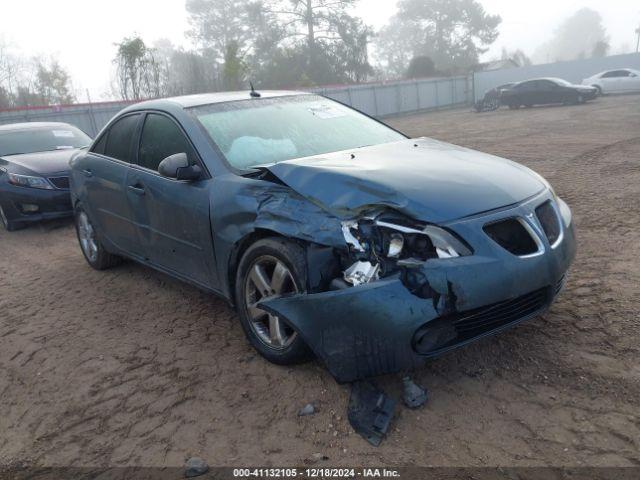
[(87, 236), (269, 278)]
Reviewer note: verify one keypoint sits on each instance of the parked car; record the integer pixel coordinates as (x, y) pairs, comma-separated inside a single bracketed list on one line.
[(625, 80), (34, 171), (330, 232), (546, 91)]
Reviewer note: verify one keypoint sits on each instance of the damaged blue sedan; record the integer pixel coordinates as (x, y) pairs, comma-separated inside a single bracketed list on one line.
[(331, 233)]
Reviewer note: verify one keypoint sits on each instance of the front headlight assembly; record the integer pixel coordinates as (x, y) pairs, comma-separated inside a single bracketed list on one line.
[(565, 212), (445, 244), (380, 245), (29, 181), (407, 243)]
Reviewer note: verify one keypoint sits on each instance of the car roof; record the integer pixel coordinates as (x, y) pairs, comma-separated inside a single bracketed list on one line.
[(189, 101), (551, 79), (31, 126), (616, 70)]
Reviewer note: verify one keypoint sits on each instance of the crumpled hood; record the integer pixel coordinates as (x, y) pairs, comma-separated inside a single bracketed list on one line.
[(44, 163), (426, 179)]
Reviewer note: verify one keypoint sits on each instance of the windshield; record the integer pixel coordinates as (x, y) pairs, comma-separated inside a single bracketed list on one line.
[(31, 140), (271, 130)]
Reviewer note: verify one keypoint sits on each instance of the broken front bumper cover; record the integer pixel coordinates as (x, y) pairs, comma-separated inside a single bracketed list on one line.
[(397, 323)]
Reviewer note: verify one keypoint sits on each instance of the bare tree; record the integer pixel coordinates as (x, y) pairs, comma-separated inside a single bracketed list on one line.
[(53, 83), (138, 73), (11, 68), (32, 82)]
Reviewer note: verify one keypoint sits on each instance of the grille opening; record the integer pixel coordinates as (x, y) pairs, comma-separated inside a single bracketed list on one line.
[(60, 182), (512, 236), (448, 332), (479, 321), (549, 221)]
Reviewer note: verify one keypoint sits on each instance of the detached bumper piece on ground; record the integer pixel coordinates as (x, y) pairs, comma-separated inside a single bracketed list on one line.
[(370, 411)]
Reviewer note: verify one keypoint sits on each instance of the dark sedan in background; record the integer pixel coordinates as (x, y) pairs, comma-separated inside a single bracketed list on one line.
[(34, 171), (546, 91)]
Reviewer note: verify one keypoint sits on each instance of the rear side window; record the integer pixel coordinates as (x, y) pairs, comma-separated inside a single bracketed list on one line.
[(161, 138), (120, 138)]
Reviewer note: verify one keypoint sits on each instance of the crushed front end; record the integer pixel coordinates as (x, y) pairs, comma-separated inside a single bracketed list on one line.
[(409, 290)]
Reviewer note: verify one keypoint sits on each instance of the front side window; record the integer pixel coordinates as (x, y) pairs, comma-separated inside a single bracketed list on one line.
[(266, 131), (32, 140), (120, 138), (161, 138)]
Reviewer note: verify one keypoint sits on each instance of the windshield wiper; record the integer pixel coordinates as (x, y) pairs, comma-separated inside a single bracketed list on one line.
[(10, 154)]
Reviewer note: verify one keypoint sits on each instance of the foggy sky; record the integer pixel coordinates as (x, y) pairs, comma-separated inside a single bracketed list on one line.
[(81, 33)]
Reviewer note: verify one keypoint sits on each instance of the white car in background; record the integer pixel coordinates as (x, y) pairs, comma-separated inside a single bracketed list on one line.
[(625, 80)]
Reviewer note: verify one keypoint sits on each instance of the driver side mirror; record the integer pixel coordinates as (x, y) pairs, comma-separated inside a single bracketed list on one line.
[(177, 166)]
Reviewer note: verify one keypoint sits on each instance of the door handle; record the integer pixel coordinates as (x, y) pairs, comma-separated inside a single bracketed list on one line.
[(87, 173), (137, 189)]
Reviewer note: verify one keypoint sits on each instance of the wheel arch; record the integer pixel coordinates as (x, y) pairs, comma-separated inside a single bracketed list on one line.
[(238, 250)]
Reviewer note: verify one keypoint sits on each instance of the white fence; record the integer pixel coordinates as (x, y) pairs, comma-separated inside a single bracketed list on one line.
[(574, 71), (396, 98), (378, 100)]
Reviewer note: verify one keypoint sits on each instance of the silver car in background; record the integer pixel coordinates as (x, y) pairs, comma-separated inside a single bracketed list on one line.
[(624, 80)]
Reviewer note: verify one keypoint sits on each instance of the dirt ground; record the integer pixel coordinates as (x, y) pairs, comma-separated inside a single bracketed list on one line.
[(130, 367)]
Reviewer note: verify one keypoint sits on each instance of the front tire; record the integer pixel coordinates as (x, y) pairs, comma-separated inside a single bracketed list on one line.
[(93, 251), (598, 90), (270, 268)]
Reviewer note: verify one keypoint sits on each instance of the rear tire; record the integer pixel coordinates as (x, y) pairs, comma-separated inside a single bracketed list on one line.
[(94, 252), (269, 268), (9, 225)]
